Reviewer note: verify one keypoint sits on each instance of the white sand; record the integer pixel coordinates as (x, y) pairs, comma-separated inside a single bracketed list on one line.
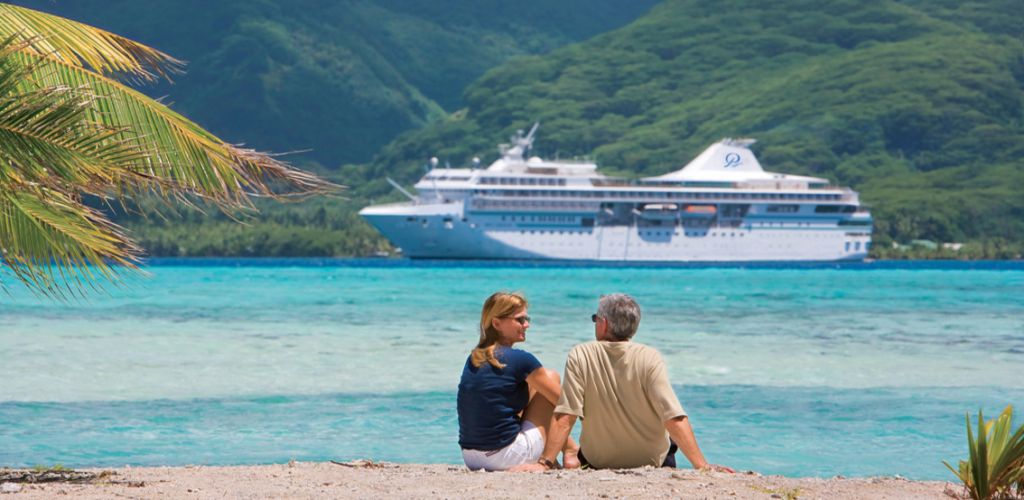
[(377, 480)]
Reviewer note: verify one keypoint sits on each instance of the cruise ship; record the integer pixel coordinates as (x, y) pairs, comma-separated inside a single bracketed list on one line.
[(720, 207)]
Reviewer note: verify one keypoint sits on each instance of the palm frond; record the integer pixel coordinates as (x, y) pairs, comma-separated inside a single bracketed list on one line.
[(84, 46), (178, 151), (57, 245), (47, 139), (168, 154), (67, 129)]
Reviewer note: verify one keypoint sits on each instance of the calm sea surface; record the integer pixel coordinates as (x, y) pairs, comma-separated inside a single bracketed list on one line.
[(809, 370)]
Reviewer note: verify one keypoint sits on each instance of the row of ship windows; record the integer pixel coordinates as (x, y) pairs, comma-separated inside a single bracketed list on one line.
[(849, 246), (568, 219), (589, 222), (540, 218), (641, 233), (535, 204), (563, 205), (856, 246), (687, 233), (522, 181), (652, 194)]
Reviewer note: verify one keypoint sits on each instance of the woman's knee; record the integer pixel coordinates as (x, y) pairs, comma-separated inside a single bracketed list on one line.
[(553, 375)]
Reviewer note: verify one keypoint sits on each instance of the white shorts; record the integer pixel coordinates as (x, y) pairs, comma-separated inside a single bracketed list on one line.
[(526, 449)]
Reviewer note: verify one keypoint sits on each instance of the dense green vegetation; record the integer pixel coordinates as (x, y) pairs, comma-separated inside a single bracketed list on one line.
[(320, 227), (339, 78), (919, 105)]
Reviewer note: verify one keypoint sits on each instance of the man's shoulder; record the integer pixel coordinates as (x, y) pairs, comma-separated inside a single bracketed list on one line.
[(644, 348), (646, 352), (596, 345), (584, 348), (635, 349)]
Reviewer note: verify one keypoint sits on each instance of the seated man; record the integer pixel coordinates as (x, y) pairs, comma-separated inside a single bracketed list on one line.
[(622, 392)]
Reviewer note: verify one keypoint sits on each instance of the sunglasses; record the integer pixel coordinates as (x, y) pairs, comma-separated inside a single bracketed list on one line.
[(593, 317), (522, 320)]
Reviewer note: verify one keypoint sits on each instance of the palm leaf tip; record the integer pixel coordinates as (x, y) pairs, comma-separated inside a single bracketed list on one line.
[(56, 245), (264, 173), (81, 45)]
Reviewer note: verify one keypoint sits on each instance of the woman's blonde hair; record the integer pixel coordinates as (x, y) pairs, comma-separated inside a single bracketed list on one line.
[(498, 305)]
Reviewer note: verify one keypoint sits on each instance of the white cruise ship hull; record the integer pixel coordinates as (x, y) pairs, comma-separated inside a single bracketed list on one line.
[(443, 231)]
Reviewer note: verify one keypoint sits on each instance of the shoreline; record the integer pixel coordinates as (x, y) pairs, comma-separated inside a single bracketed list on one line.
[(403, 262), (363, 479)]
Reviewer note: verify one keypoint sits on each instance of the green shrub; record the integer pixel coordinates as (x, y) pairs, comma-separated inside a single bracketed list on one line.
[(995, 467)]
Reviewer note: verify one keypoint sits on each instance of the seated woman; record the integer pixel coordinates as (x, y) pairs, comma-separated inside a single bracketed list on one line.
[(506, 397)]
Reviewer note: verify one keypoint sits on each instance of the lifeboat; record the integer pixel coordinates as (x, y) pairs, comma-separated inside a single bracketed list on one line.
[(699, 211), (660, 211)]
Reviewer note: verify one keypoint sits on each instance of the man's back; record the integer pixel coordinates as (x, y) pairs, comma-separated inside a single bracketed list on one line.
[(622, 392)]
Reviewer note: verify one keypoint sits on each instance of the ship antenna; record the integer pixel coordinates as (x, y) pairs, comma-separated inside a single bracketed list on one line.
[(433, 178), (519, 144), (528, 140)]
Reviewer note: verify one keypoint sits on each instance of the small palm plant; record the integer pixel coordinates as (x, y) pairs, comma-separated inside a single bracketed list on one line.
[(995, 467)]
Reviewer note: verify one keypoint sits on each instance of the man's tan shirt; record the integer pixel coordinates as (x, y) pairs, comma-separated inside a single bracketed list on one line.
[(622, 392)]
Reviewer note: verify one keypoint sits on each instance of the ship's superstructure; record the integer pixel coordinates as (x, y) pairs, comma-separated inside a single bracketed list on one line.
[(722, 206)]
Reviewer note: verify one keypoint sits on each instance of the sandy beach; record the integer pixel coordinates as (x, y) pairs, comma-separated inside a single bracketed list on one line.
[(364, 479)]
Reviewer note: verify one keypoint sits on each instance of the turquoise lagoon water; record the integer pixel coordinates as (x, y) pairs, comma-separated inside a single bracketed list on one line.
[(804, 371)]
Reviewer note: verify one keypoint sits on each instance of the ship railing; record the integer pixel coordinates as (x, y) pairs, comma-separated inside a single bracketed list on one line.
[(398, 204), (849, 195), (782, 184), (614, 183), (490, 205)]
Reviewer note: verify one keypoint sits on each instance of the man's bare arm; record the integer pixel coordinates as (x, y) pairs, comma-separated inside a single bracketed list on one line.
[(682, 434)]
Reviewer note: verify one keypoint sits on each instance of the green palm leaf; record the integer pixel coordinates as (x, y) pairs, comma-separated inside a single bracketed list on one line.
[(82, 45), (188, 159), (57, 245), (68, 129), (47, 138)]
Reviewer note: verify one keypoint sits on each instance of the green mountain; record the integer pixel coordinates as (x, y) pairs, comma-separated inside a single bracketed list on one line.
[(340, 78), (918, 105)]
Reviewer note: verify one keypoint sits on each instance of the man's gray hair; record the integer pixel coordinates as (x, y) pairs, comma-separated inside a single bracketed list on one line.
[(622, 314)]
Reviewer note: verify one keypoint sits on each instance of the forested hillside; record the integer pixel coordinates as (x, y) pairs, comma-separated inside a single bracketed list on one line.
[(919, 105), (340, 78)]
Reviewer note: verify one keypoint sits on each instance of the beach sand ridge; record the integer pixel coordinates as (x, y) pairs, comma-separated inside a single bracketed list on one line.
[(366, 479)]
